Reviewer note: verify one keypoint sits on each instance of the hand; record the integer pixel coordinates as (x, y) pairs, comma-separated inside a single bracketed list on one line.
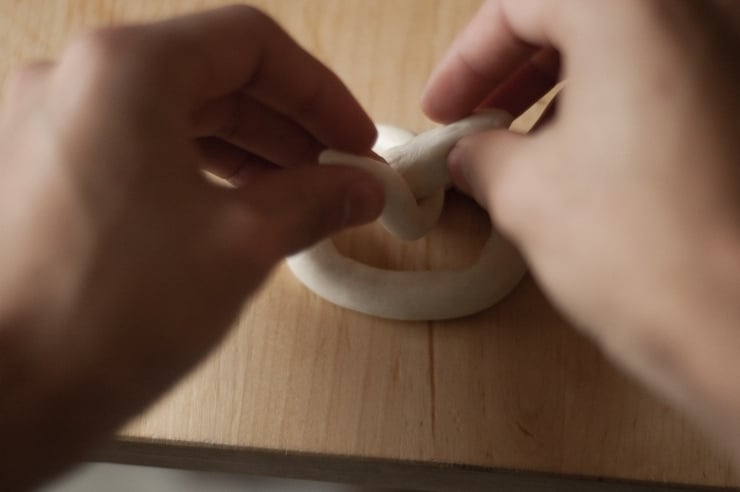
[(625, 203), (121, 264)]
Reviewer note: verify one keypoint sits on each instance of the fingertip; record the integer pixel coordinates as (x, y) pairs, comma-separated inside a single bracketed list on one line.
[(447, 97), (456, 167), (367, 136), (478, 163), (429, 102), (434, 109), (347, 125)]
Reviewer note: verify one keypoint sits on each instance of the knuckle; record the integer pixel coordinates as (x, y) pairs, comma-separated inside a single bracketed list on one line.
[(94, 58), (100, 47), (26, 77), (252, 16), (122, 56), (120, 66)]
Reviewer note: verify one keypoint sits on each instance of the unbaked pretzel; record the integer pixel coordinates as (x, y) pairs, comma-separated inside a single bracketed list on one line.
[(415, 178)]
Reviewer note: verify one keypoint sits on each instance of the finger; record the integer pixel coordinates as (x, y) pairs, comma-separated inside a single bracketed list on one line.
[(496, 42), (532, 80), (239, 48), (231, 163), (293, 208), (255, 128), (495, 168)]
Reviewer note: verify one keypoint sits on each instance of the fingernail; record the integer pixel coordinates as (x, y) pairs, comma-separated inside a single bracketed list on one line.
[(365, 200), (456, 166)]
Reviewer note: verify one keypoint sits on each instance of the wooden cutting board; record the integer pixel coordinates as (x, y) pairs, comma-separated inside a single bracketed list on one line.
[(304, 388)]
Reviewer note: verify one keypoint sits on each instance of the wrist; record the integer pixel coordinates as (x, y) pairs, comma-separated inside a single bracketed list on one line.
[(52, 411)]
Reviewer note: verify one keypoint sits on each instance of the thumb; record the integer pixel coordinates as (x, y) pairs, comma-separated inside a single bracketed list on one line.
[(290, 209), (493, 167)]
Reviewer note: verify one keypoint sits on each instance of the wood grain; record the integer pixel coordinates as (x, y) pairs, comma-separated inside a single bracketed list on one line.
[(512, 388)]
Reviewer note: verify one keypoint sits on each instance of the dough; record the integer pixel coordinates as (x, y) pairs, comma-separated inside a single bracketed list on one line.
[(415, 180)]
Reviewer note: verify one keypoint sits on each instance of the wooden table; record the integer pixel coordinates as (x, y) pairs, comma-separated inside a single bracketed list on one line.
[(512, 397)]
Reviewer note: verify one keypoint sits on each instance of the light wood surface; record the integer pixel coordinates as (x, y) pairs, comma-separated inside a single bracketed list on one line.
[(512, 388)]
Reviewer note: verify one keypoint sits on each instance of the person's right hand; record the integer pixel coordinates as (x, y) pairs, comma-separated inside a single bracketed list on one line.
[(626, 203)]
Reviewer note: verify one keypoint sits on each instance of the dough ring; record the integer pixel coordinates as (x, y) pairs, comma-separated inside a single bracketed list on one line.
[(415, 180)]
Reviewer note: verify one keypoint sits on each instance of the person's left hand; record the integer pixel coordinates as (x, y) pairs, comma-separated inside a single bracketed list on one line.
[(120, 264)]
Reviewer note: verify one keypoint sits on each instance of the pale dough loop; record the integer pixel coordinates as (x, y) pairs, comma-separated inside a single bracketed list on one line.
[(415, 180)]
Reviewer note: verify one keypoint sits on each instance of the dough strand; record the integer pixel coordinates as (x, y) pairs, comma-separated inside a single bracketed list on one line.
[(415, 178)]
